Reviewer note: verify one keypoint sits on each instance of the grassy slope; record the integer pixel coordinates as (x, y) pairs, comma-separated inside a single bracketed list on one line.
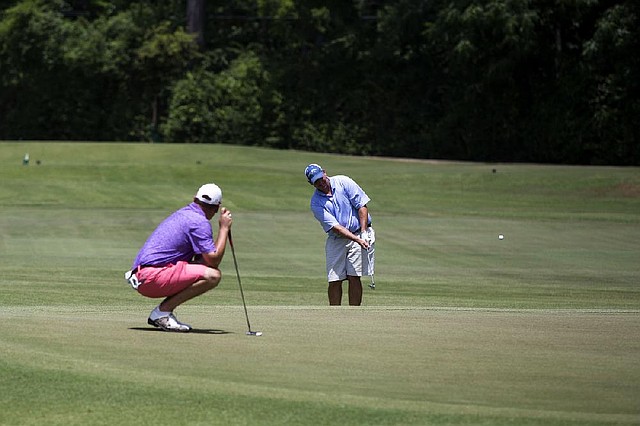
[(463, 328)]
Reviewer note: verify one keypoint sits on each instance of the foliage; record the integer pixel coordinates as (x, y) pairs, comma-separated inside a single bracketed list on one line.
[(613, 63), (501, 80), (218, 107), (81, 79)]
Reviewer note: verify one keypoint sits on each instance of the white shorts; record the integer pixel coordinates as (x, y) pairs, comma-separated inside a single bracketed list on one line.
[(346, 257)]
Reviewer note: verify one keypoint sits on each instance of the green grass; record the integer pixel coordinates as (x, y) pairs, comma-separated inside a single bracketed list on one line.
[(540, 328)]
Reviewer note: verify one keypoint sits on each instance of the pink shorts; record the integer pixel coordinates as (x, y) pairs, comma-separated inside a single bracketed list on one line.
[(170, 279)]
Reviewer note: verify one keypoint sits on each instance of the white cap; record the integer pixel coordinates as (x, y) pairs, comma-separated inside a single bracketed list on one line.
[(210, 193)]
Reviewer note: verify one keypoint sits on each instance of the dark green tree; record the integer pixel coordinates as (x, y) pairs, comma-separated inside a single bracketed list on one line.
[(224, 107), (613, 64)]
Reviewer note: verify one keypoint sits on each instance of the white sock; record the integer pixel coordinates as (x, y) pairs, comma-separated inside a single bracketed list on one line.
[(157, 313)]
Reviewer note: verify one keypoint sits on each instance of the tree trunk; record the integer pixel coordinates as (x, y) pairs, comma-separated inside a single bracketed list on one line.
[(195, 20)]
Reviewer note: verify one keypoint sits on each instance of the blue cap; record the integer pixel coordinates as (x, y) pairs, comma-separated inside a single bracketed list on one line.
[(313, 172)]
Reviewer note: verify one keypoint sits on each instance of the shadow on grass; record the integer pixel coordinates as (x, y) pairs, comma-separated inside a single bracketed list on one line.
[(193, 331)]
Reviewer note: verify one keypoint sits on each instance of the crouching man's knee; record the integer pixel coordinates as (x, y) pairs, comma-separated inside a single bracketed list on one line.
[(212, 277)]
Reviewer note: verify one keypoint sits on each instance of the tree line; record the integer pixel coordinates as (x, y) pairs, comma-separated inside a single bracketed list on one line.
[(555, 81)]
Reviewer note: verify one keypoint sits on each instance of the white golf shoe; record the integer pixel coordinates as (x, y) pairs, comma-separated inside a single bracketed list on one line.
[(169, 323)]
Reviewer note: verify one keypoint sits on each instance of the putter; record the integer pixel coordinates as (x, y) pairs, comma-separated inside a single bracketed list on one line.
[(246, 315)]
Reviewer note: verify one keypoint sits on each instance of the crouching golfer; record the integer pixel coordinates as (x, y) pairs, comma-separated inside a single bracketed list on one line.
[(165, 265), (340, 205)]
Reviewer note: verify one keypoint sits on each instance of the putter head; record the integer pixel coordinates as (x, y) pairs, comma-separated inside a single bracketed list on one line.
[(254, 333), (372, 286)]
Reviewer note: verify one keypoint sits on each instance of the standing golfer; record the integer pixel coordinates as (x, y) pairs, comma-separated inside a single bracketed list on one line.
[(340, 205), (166, 266)]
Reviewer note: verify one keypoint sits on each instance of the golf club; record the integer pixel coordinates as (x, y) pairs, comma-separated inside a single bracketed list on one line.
[(371, 257), (372, 285), (235, 262)]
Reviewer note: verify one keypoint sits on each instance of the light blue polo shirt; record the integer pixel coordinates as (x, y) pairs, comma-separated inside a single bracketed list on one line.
[(340, 208), (185, 233)]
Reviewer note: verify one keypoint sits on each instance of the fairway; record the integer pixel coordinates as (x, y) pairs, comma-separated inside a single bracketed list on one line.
[(541, 328)]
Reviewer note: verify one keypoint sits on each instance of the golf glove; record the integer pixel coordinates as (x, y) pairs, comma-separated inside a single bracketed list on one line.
[(131, 278), (368, 235)]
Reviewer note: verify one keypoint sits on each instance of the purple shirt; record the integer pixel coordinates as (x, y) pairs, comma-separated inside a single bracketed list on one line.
[(180, 236)]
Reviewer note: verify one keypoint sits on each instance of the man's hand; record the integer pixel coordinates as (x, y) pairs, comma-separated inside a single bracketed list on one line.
[(363, 240), (225, 218), (371, 235), (368, 236)]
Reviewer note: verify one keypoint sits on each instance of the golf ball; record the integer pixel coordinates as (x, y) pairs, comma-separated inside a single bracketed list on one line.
[(501, 237)]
